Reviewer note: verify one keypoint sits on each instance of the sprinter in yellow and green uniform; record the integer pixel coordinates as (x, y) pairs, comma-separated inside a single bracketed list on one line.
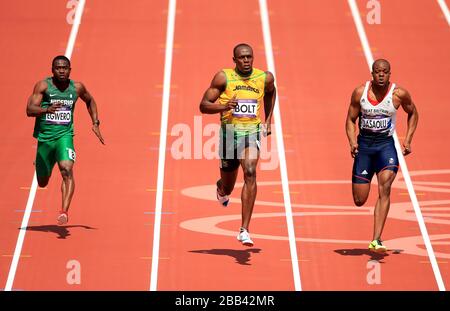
[(239, 94), (52, 104)]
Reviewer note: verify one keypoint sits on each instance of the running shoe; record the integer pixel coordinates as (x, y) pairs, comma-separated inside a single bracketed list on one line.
[(63, 218), (223, 199), (377, 246), (244, 237)]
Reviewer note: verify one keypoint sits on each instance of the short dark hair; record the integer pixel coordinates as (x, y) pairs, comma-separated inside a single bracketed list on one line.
[(60, 57), (381, 60), (239, 46)]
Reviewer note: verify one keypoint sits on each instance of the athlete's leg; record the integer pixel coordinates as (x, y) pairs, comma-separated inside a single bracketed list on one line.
[(68, 183), (248, 195), (360, 193), (385, 180), (43, 181), (45, 160), (225, 184), (65, 155)]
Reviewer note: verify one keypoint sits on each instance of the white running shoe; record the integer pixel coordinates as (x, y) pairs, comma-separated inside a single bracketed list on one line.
[(244, 237), (223, 199)]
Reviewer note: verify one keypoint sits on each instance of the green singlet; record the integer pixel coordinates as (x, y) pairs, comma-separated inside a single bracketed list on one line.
[(54, 131)]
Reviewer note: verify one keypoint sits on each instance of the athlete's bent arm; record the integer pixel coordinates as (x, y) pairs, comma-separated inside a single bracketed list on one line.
[(352, 114), (413, 118), (208, 103), (91, 106), (34, 108), (270, 94)]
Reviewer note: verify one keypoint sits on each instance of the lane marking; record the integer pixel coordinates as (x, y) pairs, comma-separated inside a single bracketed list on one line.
[(33, 188), (280, 146), (445, 10), (163, 141), (29, 188), (406, 176)]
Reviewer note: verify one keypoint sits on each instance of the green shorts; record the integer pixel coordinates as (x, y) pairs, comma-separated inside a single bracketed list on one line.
[(50, 152)]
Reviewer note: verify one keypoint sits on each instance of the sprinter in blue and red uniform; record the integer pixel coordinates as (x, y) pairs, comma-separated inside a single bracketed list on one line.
[(375, 103)]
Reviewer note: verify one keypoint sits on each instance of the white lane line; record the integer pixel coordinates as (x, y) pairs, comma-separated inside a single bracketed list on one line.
[(74, 30), (445, 10), (33, 188), (406, 176), (163, 142), (280, 146)]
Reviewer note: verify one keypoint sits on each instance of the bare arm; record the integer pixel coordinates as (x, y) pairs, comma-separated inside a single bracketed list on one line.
[(352, 115), (269, 100), (34, 108), (208, 103), (91, 106), (413, 117)]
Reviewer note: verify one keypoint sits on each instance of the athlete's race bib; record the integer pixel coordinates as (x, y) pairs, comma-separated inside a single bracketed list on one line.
[(246, 108), (375, 124), (61, 117)]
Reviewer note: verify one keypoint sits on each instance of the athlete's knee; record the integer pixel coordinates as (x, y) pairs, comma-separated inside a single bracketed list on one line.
[(359, 201), (385, 189), (359, 198), (66, 172), (43, 181), (250, 173), (226, 188)]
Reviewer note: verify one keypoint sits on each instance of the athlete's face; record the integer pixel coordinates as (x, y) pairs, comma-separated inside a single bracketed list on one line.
[(244, 59), (381, 74), (61, 70)]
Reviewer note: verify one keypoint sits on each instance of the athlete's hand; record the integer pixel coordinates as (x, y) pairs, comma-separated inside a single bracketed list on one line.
[(406, 148), (232, 103), (354, 150), (96, 130), (266, 130), (53, 108)]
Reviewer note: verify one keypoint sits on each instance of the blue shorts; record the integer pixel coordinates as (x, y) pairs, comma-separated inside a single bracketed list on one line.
[(375, 155)]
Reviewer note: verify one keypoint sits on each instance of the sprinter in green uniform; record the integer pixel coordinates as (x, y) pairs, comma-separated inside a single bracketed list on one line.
[(52, 104)]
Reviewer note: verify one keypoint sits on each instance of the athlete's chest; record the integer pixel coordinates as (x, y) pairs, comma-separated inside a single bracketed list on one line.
[(247, 88), (66, 98)]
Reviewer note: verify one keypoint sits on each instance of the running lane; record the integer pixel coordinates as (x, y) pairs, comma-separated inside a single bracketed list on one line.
[(199, 250), (420, 31), (319, 63), (119, 56), (31, 34)]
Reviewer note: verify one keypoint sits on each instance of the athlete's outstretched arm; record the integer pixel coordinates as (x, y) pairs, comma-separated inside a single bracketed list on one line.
[(208, 103), (34, 108), (350, 123), (270, 94), (413, 117), (91, 106)]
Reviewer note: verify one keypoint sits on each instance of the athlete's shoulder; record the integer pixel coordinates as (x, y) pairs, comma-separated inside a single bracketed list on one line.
[(358, 92), (41, 86), (400, 91), (269, 79), (269, 75), (77, 83), (221, 75), (79, 86), (219, 80)]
